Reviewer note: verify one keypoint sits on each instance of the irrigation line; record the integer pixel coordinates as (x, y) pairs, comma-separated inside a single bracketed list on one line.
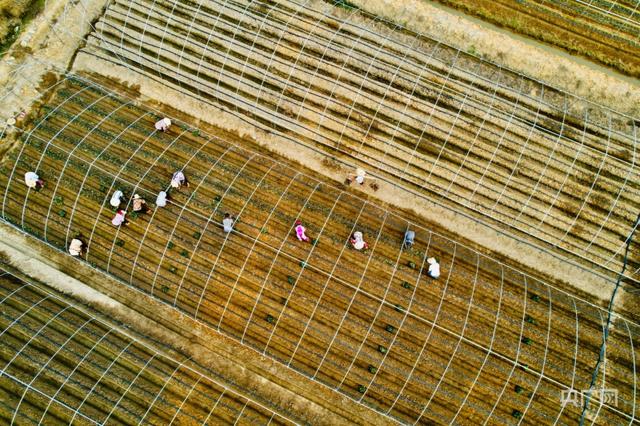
[(605, 335), (175, 370), (184, 400)]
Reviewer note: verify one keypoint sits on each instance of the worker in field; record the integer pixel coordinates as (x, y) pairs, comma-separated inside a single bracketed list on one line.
[(179, 180), (163, 124), (162, 198), (140, 205), (33, 181), (76, 247), (228, 222), (358, 177), (116, 199), (409, 238), (300, 231), (434, 267), (119, 218), (358, 242)]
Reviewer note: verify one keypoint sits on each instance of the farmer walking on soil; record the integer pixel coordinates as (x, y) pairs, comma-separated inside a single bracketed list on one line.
[(76, 247), (358, 177), (33, 181), (434, 267), (358, 242), (140, 205), (300, 231), (227, 222), (116, 199), (163, 125), (119, 218), (179, 180), (161, 199)]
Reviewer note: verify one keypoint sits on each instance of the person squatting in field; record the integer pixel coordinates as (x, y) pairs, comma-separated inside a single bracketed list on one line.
[(140, 205), (434, 267), (179, 180), (358, 242), (116, 199), (300, 231), (119, 218), (163, 124), (33, 181), (161, 199), (76, 247), (227, 222)]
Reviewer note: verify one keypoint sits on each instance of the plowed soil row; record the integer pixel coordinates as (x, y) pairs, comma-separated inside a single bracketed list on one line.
[(606, 31), (421, 115), (420, 349), (60, 363)]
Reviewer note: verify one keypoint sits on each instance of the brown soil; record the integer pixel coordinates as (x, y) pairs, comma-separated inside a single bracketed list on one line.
[(453, 343)]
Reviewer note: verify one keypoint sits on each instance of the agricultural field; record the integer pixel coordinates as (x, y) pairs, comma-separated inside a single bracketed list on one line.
[(64, 364), (606, 31), (484, 343), (529, 160)]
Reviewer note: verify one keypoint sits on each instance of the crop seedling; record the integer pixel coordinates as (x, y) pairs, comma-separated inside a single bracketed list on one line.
[(516, 414), (133, 215), (165, 289), (361, 389), (535, 297), (170, 245), (270, 319), (526, 340), (58, 199), (390, 328), (197, 235), (173, 269), (217, 198), (314, 242), (411, 264), (518, 389), (382, 349), (372, 369), (291, 280), (303, 263), (406, 285), (184, 253), (119, 242), (62, 213), (399, 308), (264, 231), (530, 320)]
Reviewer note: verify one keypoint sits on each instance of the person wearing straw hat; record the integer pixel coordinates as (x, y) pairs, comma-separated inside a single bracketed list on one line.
[(300, 231), (33, 181), (178, 180), (116, 199), (140, 205), (434, 267), (358, 242), (163, 125)]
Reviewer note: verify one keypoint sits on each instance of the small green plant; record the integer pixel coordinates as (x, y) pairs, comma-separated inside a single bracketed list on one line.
[(170, 245), (516, 414), (184, 253), (524, 367), (173, 269), (390, 328), (526, 340), (195, 132), (406, 285), (518, 389), (411, 264), (197, 235), (217, 198), (58, 199), (361, 389), (399, 308), (291, 280), (302, 263), (535, 297), (165, 289), (270, 319), (62, 213), (382, 349), (314, 242), (372, 369), (530, 320), (264, 231), (119, 242)]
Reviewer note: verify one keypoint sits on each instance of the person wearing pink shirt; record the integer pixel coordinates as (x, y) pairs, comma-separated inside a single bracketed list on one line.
[(300, 231)]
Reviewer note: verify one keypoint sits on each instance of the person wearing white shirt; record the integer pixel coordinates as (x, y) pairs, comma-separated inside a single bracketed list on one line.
[(227, 222), (434, 267), (116, 199), (76, 247), (161, 199), (33, 181), (163, 125)]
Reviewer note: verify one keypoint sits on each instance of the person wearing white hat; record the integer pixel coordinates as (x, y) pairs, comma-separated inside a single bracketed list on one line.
[(140, 205), (358, 242), (116, 199), (163, 125), (33, 181), (360, 174), (434, 267)]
